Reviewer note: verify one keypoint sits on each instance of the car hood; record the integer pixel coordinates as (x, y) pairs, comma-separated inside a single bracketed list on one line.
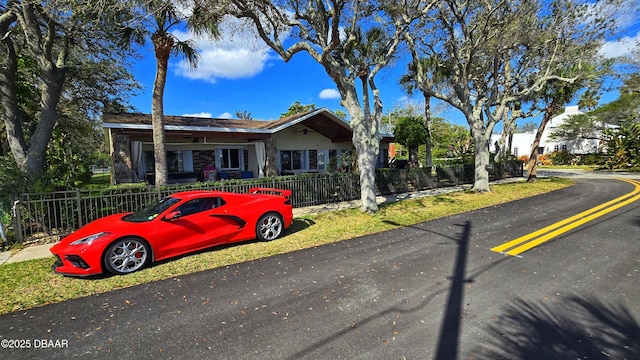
[(109, 223)]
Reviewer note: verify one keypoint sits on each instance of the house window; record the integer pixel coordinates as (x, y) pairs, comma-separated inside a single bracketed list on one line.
[(556, 148), (515, 151), (149, 161), (230, 158), (292, 160), (564, 148), (322, 159), (175, 161), (318, 160), (540, 150)]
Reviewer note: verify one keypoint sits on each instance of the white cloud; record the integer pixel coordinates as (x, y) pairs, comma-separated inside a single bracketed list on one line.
[(625, 19), (225, 115), (329, 94), (627, 15), (621, 47), (240, 53), (201, 114)]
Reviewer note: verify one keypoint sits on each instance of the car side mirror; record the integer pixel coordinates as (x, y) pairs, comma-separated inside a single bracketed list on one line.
[(172, 215)]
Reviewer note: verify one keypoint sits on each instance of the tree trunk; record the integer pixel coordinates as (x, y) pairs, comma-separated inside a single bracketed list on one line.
[(510, 144), (366, 140), (366, 165), (271, 166), (8, 94), (532, 164), (163, 46), (501, 146), (54, 79), (413, 157), (427, 126), (30, 157), (481, 179)]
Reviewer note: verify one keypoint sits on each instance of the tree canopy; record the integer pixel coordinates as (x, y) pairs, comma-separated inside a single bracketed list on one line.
[(339, 35), (62, 61), (297, 108), (500, 54), (58, 59), (411, 132)]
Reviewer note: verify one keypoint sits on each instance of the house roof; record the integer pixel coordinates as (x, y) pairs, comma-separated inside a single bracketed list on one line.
[(321, 121)]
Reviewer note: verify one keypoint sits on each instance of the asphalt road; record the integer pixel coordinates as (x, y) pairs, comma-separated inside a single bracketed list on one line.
[(430, 291)]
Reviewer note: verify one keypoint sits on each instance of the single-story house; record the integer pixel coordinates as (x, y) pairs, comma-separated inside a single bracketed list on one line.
[(521, 142), (203, 149)]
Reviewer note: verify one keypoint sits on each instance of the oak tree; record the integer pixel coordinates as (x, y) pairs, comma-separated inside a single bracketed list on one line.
[(499, 53), (353, 40), (47, 49)]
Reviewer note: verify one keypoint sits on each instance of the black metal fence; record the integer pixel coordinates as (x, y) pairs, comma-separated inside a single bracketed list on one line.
[(53, 215)]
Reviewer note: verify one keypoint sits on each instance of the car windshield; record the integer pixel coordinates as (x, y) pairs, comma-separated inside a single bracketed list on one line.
[(152, 211)]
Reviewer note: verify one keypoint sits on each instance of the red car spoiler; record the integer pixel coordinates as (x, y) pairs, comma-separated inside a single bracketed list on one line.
[(270, 191)]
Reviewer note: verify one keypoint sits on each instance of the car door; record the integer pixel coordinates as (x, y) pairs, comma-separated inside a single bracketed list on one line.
[(191, 227), (232, 226)]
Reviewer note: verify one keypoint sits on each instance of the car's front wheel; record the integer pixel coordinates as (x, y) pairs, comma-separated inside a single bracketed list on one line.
[(269, 227), (126, 256)]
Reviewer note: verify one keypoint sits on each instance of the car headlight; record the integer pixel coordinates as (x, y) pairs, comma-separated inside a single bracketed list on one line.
[(89, 239)]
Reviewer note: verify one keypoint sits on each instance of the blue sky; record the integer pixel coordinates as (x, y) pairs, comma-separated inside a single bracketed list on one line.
[(238, 73)]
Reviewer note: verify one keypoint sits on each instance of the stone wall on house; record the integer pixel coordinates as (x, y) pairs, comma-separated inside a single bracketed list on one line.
[(121, 159), (202, 158)]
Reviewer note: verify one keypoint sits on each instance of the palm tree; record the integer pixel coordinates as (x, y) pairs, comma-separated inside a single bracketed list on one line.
[(409, 82), (589, 99), (631, 84), (553, 96), (166, 15)]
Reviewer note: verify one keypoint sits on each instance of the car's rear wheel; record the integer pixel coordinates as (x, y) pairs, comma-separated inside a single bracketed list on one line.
[(126, 256), (269, 227)]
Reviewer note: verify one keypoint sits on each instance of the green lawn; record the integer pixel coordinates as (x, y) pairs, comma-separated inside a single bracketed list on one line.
[(569, 167), (32, 283)]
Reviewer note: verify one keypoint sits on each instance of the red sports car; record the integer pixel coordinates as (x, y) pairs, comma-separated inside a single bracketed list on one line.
[(181, 223)]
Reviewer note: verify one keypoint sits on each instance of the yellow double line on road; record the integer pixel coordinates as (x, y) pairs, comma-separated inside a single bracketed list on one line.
[(517, 246)]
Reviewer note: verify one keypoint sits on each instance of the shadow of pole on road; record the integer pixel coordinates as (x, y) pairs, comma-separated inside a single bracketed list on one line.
[(450, 329)]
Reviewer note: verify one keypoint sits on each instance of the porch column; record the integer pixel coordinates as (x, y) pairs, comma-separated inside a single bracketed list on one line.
[(136, 156), (260, 155)]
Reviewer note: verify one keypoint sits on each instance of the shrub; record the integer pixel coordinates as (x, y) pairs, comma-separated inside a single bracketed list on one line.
[(591, 159), (11, 181), (561, 158), (544, 160)]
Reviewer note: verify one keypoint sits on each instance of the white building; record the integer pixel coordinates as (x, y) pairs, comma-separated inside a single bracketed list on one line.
[(521, 142)]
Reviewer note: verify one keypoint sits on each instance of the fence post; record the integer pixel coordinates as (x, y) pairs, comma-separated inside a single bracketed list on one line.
[(79, 206), (3, 234), (17, 224)]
